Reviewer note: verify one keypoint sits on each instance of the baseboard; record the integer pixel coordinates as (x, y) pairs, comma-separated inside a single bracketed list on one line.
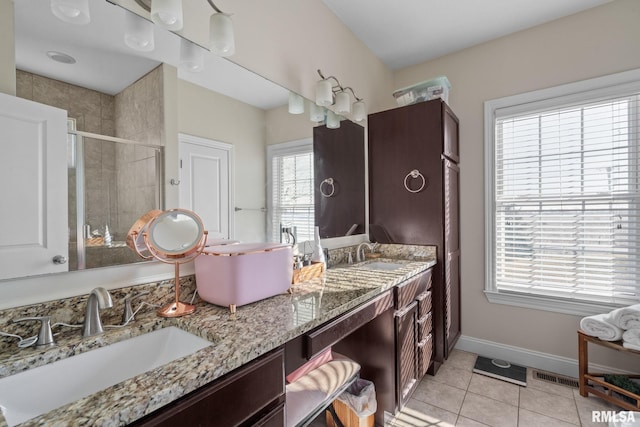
[(525, 357)]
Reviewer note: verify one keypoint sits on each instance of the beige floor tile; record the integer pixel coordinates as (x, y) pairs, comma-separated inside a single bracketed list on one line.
[(560, 390), (461, 359), (586, 406), (488, 411), (453, 376), (468, 422), (552, 405), (532, 419), (495, 389), (420, 414), (440, 395)]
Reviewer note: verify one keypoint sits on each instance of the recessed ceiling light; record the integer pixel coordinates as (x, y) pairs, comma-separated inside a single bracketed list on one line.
[(61, 57)]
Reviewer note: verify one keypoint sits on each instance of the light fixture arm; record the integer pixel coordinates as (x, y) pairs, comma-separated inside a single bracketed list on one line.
[(338, 87), (214, 6)]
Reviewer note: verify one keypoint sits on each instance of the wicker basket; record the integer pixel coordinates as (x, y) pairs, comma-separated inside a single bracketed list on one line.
[(308, 272)]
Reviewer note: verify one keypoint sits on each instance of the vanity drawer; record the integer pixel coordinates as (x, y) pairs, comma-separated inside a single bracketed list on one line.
[(339, 328), (250, 393), (425, 348), (425, 325), (424, 304), (406, 292)]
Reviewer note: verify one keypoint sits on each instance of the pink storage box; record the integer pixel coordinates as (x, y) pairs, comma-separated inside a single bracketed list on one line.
[(239, 274)]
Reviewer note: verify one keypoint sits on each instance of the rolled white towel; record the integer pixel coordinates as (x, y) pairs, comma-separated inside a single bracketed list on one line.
[(632, 336), (597, 326), (631, 346), (625, 317)]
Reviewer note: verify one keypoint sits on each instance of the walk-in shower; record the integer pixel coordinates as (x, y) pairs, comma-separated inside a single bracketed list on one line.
[(112, 181)]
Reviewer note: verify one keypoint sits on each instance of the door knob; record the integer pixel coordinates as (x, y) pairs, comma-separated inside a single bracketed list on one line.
[(59, 259)]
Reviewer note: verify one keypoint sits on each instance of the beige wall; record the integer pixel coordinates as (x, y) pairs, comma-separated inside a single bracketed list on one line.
[(281, 126), (597, 42), (214, 116)]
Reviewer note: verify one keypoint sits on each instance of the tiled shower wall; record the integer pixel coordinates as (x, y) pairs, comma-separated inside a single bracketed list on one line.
[(139, 113), (93, 112)]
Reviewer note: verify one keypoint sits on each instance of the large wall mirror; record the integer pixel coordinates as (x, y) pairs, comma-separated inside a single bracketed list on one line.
[(116, 97)]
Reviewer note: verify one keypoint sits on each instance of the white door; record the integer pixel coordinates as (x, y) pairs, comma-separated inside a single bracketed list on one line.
[(205, 184), (33, 195)]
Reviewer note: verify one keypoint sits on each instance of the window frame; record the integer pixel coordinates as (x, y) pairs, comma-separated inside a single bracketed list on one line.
[(301, 146), (586, 90)]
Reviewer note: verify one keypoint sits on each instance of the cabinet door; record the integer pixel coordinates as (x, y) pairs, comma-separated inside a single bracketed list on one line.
[(401, 141), (406, 368), (450, 126), (452, 255)]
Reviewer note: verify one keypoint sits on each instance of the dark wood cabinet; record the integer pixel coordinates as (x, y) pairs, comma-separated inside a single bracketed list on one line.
[(251, 395), (414, 199), (338, 155), (406, 341)]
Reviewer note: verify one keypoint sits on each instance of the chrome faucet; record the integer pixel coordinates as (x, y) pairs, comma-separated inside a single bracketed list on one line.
[(360, 250), (98, 298)]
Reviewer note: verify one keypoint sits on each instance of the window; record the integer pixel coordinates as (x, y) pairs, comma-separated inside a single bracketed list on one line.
[(563, 197), (291, 199)]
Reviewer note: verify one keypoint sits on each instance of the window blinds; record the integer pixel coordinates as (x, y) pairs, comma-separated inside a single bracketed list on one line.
[(567, 201), (292, 197)]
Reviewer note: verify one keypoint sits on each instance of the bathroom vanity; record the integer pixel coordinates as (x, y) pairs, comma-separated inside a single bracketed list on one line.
[(240, 377)]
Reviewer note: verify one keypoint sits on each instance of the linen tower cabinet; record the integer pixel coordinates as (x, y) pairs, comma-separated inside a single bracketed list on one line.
[(414, 199)]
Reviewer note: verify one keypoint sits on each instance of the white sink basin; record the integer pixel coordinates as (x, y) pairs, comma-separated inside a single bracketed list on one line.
[(39, 390), (388, 266)]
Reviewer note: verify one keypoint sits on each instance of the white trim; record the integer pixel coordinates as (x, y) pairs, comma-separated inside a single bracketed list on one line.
[(224, 146), (528, 358), (605, 86), (547, 303)]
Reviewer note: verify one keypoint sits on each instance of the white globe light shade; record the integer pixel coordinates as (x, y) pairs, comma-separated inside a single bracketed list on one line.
[(191, 56), (71, 11), (138, 33), (324, 93), (221, 34), (316, 112), (359, 111), (296, 103), (333, 120), (167, 14)]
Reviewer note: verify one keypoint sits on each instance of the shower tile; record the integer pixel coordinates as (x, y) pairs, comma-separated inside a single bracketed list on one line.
[(24, 84), (92, 123), (108, 107)]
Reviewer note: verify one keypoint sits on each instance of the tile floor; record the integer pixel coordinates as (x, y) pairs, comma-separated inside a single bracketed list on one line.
[(456, 396)]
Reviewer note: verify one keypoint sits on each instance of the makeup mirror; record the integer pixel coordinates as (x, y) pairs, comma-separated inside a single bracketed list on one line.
[(175, 236)]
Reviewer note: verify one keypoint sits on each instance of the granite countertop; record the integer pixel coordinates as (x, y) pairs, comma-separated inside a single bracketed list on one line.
[(236, 339)]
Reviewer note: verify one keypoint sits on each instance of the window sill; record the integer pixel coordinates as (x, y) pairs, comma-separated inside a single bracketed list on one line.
[(556, 305)]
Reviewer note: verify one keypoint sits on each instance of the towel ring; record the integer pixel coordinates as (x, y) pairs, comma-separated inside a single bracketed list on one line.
[(329, 182), (415, 174)]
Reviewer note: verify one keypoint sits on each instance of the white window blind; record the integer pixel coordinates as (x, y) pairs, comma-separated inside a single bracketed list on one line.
[(566, 200), (292, 198)]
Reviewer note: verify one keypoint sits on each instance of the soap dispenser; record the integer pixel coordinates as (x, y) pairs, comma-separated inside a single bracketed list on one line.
[(318, 253)]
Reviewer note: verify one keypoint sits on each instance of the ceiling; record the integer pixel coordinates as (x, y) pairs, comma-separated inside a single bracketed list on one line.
[(408, 32), (104, 63)]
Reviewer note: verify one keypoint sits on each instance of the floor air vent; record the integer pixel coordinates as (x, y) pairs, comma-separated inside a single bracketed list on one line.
[(555, 378)]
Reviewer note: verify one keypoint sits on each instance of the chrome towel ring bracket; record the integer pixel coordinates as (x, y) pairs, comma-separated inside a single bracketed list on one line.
[(415, 174), (327, 187)]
